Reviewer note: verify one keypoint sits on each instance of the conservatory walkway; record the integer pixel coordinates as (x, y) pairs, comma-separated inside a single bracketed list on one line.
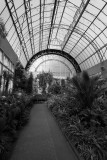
[(41, 139)]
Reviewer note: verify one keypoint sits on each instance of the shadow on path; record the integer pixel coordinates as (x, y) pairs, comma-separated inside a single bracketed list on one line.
[(41, 139)]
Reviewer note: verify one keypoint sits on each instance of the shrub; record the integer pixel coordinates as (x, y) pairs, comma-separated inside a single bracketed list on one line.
[(81, 113), (14, 114)]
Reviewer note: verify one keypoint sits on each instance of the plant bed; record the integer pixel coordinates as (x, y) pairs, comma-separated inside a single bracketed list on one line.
[(59, 123), (14, 115), (91, 142)]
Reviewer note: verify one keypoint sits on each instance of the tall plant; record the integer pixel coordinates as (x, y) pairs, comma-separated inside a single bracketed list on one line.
[(44, 79), (4, 74), (55, 88), (19, 80), (87, 89), (7, 77), (30, 84), (3, 32), (0, 80)]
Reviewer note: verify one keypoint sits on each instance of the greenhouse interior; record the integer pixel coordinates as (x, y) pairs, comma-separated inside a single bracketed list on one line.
[(53, 79)]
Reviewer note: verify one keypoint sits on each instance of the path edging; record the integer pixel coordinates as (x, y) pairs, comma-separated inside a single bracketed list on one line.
[(71, 145)]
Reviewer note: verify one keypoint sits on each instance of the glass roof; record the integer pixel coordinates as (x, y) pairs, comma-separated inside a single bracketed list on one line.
[(78, 27), (59, 66)]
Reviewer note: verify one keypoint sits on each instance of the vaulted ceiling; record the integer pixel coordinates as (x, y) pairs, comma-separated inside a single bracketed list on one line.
[(77, 27)]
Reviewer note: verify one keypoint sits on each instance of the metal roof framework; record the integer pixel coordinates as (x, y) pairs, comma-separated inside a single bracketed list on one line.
[(53, 60), (54, 52), (58, 65), (77, 27)]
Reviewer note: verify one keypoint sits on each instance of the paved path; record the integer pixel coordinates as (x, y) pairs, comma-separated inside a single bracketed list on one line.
[(41, 139)]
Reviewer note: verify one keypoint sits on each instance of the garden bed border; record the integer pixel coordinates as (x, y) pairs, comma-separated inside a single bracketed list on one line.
[(71, 145)]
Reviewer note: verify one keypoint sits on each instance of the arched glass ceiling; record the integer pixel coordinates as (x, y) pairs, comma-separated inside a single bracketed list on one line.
[(58, 69), (60, 66), (78, 27)]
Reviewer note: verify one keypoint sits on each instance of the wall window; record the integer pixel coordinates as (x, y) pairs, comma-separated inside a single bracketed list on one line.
[(5, 65)]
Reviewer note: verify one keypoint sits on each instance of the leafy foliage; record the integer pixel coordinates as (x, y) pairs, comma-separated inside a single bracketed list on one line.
[(55, 88), (86, 89), (44, 79), (7, 77), (3, 32), (81, 112), (63, 83), (14, 114), (20, 80), (29, 87)]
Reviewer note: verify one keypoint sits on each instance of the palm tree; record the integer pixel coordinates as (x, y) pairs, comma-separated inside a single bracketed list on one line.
[(87, 90)]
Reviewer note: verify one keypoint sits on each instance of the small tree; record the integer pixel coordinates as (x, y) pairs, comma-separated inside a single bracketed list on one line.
[(63, 83), (0, 80), (19, 80), (87, 91), (9, 78), (4, 74), (44, 79), (35, 86), (55, 88), (49, 78), (3, 32), (29, 87)]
